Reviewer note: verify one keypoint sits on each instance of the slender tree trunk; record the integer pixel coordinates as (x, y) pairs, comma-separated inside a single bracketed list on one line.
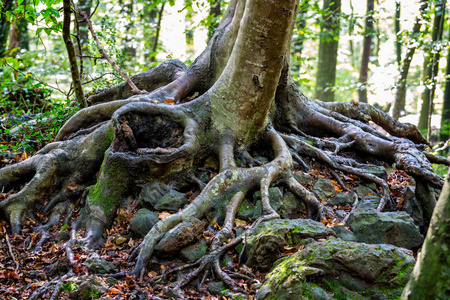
[(4, 26), (430, 278), (18, 37), (364, 70), (79, 95), (158, 30), (298, 40), (427, 104), (400, 95), (351, 28), (398, 43), (83, 31), (328, 46), (214, 12), (444, 134)]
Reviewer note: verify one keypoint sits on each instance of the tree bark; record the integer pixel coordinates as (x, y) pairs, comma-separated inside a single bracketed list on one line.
[(400, 94), (158, 29), (444, 133), (367, 44), (398, 43), (431, 276), (328, 46), (76, 80), (18, 37)]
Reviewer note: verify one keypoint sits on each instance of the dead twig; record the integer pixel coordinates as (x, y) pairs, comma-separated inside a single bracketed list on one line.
[(10, 249)]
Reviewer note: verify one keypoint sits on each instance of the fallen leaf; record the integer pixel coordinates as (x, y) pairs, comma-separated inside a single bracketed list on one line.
[(164, 215)]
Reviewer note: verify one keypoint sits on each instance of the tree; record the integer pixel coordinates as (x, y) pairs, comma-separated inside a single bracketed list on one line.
[(247, 103), (430, 277), (365, 57), (328, 47), (433, 68), (5, 25), (445, 119), (400, 94)]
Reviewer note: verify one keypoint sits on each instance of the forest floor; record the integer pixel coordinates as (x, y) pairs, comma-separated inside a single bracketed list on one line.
[(35, 262)]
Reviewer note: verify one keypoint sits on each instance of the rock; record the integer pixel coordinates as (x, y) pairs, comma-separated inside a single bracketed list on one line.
[(362, 191), (97, 265), (172, 201), (173, 294), (258, 210), (193, 252), (180, 236), (341, 199), (62, 236), (340, 213), (344, 234), (86, 288), (349, 270), (304, 178), (143, 221), (377, 171), (369, 201), (246, 211), (324, 188), (265, 242), (152, 192), (413, 207), (395, 228), (275, 198), (292, 206), (219, 288)]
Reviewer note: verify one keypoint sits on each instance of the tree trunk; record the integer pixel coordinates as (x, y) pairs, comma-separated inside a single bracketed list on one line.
[(4, 26), (79, 95), (328, 46), (82, 28), (365, 58), (426, 109), (18, 37), (400, 95), (444, 133), (398, 43), (431, 276), (214, 12)]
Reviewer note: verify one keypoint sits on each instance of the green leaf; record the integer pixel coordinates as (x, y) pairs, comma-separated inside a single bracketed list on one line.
[(36, 2)]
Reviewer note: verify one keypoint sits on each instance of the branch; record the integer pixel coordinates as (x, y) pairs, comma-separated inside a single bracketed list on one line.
[(10, 249), (134, 88)]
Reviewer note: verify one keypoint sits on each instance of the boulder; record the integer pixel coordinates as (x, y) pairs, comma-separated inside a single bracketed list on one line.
[(412, 206), (275, 198), (85, 288), (193, 252), (369, 201), (143, 221), (152, 192), (266, 241), (395, 228), (185, 233), (348, 270), (246, 210), (344, 234), (362, 190), (304, 178)]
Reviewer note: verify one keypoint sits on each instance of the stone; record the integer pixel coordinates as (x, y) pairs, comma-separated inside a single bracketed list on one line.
[(258, 210), (152, 192), (172, 201), (246, 210), (143, 221), (262, 159), (193, 252), (349, 270), (265, 242), (412, 206), (86, 288), (324, 189), (395, 228), (275, 198), (95, 264), (362, 190), (341, 199), (377, 171), (340, 213), (303, 178), (292, 206), (369, 201), (185, 233), (219, 288), (344, 234)]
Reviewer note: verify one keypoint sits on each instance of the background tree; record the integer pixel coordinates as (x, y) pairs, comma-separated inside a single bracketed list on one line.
[(367, 50), (432, 69), (400, 94), (328, 49), (5, 25)]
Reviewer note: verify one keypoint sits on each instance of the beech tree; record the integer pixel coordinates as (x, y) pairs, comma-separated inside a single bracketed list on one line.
[(237, 97)]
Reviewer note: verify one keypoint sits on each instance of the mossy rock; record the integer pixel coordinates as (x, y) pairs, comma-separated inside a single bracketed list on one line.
[(172, 201), (143, 221), (275, 198), (324, 189), (265, 241)]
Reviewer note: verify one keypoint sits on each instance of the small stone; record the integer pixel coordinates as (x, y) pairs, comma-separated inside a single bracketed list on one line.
[(172, 201), (344, 234), (362, 191), (143, 221), (341, 199), (216, 287), (87, 288), (152, 192), (292, 206), (369, 201), (324, 189), (340, 214), (246, 210), (211, 163), (304, 178), (95, 264), (62, 236), (275, 198), (193, 252)]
